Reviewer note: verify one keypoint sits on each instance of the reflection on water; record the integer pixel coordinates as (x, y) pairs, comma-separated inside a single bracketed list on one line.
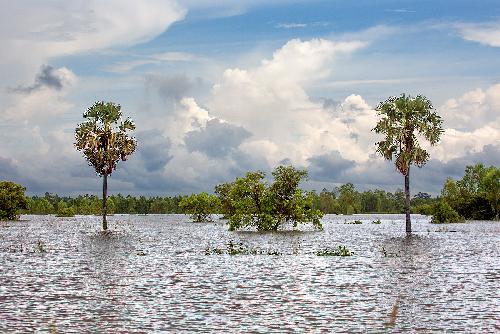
[(151, 274)]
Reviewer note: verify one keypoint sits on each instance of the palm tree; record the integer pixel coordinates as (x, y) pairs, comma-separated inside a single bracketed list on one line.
[(403, 120), (104, 140)]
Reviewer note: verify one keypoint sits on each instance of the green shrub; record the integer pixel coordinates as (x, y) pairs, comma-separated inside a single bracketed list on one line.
[(200, 206), (377, 222), (12, 200), (250, 202), (66, 212), (444, 214), (424, 209)]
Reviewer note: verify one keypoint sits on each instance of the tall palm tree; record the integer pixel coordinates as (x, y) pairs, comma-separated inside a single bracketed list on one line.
[(104, 140), (403, 120)]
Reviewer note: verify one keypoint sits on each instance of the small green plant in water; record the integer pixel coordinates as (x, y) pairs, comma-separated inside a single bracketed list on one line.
[(233, 248), (376, 221), (339, 251), (40, 247), (355, 222)]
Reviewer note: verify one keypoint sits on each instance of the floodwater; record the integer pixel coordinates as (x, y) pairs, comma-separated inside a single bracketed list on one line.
[(59, 275)]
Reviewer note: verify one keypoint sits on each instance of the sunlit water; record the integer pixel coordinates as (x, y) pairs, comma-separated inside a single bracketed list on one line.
[(59, 275)]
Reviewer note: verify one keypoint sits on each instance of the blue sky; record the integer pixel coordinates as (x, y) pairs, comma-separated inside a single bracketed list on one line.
[(218, 88)]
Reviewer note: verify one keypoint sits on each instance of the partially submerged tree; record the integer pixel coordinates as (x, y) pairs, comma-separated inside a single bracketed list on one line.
[(403, 120), (104, 140), (250, 202), (200, 206), (12, 200), (477, 195)]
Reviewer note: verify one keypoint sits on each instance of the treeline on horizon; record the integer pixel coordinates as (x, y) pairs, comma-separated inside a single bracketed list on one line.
[(344, 199), (475, 196)]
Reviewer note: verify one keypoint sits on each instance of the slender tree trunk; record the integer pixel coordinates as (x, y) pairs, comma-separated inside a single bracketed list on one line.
[(407, 201), (104, 200)]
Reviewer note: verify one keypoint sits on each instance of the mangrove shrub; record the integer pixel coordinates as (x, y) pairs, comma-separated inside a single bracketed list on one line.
[(250, 202), (200, 206), (12, 200)]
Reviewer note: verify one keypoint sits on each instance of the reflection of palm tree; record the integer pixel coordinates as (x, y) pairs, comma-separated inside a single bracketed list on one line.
[(104, 142), (402, 119)]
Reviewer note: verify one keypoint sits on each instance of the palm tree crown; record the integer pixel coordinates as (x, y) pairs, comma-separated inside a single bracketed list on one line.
[(103, 137), (402, 118)]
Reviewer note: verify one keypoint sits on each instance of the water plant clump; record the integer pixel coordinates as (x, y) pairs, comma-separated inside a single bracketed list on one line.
[(339, 251), (376, 221), (40, 247), (233, 248), (355, 222)]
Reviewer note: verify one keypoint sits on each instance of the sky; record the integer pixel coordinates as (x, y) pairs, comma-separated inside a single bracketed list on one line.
[(219, 88)]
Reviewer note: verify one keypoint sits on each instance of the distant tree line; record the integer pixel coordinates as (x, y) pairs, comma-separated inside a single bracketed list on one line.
[(475, 196), (92, 205), (344, 199)]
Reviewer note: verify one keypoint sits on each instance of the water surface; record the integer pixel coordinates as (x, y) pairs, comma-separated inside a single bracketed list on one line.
[(152, 275)]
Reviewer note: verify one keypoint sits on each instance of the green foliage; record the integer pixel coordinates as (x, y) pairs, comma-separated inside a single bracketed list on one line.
[(92, 205), (401, 119), (444, 214), (424, 209), (233, 248), (349, 199), (377, 221), (339, 251), (490, 187), (477, 194), (64, 211), (103, 138), (12, 200), (200, 206), (250, 202), (223, 191)]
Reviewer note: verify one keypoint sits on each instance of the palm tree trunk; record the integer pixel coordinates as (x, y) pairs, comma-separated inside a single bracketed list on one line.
[(104, 199), (407, 201)]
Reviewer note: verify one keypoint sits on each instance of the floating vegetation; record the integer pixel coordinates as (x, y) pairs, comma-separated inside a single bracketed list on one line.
[(233, 248), (140, 252), (376, 221), (355, 222), (40, 247), (339, 251)]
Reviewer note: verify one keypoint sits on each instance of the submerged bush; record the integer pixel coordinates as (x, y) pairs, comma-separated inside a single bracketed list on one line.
[(250, 202), (12, 200), (66, 212), (339, 251), (444, 214), (200, 206)]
